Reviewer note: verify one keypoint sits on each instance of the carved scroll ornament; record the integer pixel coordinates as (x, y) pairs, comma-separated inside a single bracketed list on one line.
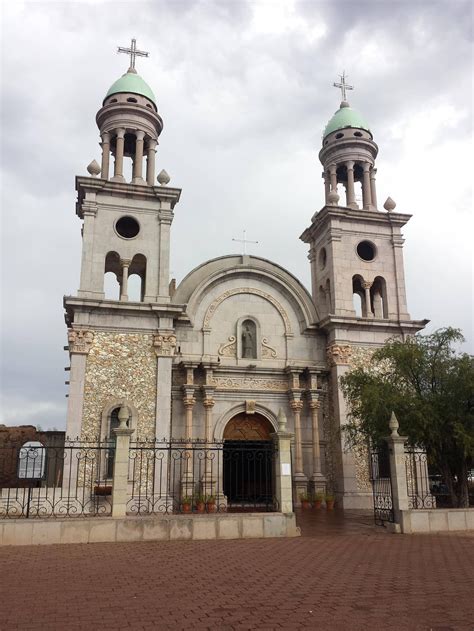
[(339, 354), (80, 340), (164, 344)]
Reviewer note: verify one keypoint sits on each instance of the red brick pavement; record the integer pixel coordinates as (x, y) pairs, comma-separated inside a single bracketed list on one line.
[(338, 576)]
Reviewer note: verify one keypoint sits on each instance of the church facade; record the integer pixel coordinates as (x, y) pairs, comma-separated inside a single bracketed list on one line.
[(240, 338)]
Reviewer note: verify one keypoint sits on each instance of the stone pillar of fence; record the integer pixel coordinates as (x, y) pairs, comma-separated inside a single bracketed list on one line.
[(398, 474), (121, 462), (283, 474)]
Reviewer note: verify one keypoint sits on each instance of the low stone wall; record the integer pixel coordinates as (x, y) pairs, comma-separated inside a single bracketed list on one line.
[(147, 528), (437, 520)]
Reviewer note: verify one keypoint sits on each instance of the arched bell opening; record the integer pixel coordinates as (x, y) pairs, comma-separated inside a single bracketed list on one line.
[(248, 471)]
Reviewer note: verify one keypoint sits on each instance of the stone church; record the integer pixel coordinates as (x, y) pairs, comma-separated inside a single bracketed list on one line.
[(240, 338)]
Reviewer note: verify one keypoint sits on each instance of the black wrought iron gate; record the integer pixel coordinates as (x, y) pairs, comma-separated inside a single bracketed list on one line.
[(381, 486)]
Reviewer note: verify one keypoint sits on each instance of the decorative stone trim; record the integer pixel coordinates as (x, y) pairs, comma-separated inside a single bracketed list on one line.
[(246, 383), (229, 349), (80, 340), (250, 406), (164, 344), (268, 352), (339, 354), (247, 290)]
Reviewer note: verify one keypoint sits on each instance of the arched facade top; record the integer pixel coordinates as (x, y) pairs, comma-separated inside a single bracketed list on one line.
[(246, 290), (192, 289)]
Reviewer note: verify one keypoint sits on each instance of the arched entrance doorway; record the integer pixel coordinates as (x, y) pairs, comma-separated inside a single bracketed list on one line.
[(248, 463)]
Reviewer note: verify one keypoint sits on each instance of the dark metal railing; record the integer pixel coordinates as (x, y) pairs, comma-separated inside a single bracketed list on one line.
[(198, 477), (68, 480), (381, 486), (427, 489)]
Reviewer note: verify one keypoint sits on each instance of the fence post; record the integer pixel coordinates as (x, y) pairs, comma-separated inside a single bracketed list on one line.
[(398, 473), (283, 474), (121, 459)]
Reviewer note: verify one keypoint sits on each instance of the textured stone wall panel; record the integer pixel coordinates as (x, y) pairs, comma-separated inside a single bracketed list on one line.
[(122, 366)]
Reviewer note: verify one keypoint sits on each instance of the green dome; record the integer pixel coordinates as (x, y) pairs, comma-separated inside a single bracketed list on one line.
[(131, 82), (345, 117)]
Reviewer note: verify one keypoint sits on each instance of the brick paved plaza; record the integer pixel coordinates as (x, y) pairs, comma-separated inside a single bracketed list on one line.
[(342, 574)]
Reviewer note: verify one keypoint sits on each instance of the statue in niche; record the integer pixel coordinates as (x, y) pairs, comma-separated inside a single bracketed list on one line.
[(249, 340)]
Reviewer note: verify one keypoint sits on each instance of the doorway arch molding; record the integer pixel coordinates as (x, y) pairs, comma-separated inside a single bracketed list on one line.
[(238, 409)]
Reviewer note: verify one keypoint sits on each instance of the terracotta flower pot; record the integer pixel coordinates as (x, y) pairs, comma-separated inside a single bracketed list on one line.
[(186, 508), (317, 503), (200, 507), (211, 507), (305, 504), (103, 490), (330, 504)]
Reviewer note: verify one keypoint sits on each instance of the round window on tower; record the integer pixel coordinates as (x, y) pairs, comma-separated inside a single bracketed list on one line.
[(127, 227), (323, 257), (366, 250)]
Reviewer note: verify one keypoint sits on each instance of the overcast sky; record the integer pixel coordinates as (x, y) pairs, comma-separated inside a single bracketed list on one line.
[(245, 90)]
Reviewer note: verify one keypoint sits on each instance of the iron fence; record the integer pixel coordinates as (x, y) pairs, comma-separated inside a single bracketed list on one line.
[(68, 480), (427, 489), (198, 477), (381, 486)]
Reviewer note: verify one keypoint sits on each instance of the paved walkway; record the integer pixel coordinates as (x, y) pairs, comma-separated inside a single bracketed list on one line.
[(342, 575)]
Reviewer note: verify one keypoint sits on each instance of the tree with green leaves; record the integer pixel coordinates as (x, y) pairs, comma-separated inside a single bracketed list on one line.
[(430, 387)]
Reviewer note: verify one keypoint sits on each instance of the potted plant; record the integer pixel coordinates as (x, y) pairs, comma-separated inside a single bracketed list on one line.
[(211, 504), (329, 501), (305, 500), (186, 504), (318, 500), (201, 504), (103, 489)]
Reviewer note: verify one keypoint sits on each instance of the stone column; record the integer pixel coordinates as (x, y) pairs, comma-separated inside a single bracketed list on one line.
[(86, 286), (210, 473), (150, 162), (333, 177), (283, 485), (368, 307), (350, 200), (138, 158), (300, 479), (165, 218), (187, 479), (104, 171), (398, 474), (119, 147), (327, 185), (366, 200), (318, 479), (125, 263), (373, 190), (121, 460)]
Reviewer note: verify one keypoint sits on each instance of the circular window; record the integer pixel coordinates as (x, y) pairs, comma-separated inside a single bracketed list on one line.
[(366, 250), (339, 135), (358, 134), (131, 100), (127, 227), (322, 258)]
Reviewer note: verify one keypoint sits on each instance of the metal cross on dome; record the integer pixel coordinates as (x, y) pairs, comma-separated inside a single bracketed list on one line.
[(343, 85), (244, 241), (133, 52)]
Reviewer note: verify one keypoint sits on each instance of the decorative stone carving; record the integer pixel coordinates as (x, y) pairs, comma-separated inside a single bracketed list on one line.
[(229, 349), (247, 290), (339, 354), (164, 344), (250, 383), (268, 352), (250, 406), (80, 340)]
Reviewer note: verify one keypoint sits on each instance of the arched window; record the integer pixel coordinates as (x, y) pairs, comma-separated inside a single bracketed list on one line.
[(113, 424), (378, 294), (137, 278), (358, 296), (249, 339), (112, 276)]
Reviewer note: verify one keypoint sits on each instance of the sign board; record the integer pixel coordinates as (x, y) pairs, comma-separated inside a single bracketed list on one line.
[(32, 460), (285, 468)]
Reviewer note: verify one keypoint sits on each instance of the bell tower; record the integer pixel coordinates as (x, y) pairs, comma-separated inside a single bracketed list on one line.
[(356, 258), (126, 223)]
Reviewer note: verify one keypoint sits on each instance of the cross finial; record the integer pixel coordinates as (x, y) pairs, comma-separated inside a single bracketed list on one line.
[(133, 52), (343, 85), (244, 241)]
